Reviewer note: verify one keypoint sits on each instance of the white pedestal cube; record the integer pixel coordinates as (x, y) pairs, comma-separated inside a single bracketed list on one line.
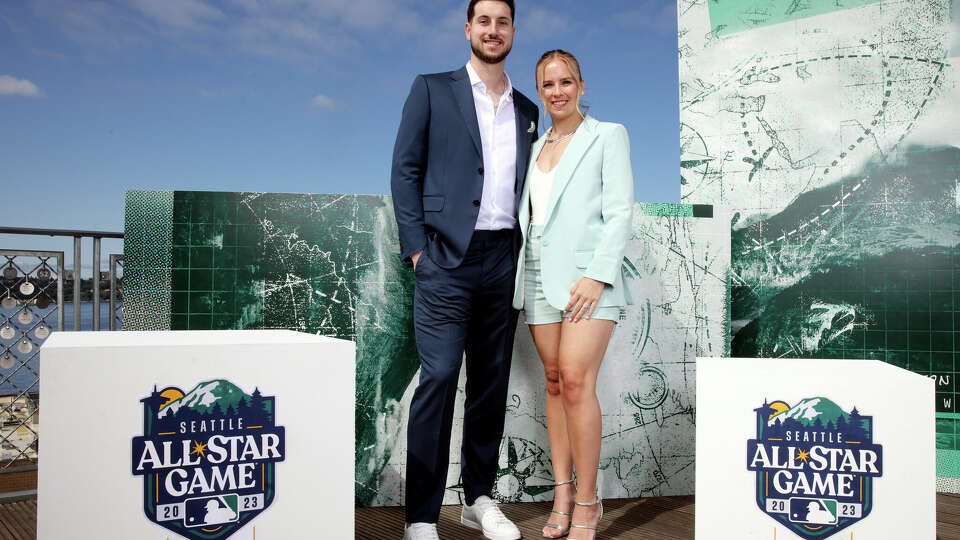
[(212, 435), (814, 449)]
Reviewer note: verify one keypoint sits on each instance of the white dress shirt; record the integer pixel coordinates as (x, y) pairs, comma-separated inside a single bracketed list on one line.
[(498, 137)]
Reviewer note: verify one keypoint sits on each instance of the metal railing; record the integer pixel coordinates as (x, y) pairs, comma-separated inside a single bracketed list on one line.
[(31, 289), (77, 236), (32, 298), (116, 291)]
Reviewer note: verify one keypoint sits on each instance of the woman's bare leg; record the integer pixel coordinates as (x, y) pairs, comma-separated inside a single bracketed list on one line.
[(546, 337), (582, 346)]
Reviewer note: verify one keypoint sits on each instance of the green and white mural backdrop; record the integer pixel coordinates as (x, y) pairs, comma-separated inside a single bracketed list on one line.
[(828, 128), (329, 264)]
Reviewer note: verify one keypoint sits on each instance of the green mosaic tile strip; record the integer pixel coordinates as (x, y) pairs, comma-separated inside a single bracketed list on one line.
[(948, 463), (731, 16), (677, 210), (668, 209), (148, 235)]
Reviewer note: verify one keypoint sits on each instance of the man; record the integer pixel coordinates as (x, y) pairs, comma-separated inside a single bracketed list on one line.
[(458, 169)]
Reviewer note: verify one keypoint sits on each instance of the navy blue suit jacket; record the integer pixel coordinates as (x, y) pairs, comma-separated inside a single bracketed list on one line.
[(437, 176)]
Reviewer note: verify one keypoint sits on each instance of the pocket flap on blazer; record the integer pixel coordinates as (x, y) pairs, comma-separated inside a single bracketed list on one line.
[(583, 258), (432, 203)]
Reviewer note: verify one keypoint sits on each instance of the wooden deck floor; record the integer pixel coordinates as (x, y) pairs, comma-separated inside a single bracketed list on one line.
[(18, 520), (664, 518)]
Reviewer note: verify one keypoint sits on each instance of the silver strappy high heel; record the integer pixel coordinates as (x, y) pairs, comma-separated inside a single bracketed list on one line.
[(594, 528), (563, 532)]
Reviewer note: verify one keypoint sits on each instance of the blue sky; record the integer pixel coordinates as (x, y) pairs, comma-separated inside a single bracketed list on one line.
[(102, 96)]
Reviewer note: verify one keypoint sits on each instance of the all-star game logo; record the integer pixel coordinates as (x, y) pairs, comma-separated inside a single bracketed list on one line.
[(815, 465), (207, 458)]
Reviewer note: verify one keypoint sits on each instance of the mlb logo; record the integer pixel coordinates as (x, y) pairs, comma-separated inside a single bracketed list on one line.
[(217, 510), (813, 511)]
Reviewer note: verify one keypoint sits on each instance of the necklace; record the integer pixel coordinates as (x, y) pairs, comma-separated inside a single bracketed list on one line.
[(562, 138)]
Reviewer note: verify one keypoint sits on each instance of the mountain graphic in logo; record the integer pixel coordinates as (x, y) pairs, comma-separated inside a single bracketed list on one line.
[(815, 464), (207, 398), (809, 410), (207, 458)]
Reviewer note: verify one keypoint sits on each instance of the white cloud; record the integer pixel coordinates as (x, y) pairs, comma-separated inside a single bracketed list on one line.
[(95, 25), (305, 32), (12, 86), (311, 34), (446, 33), (8, 23), (651, 14), (179, 13), (537, 27), (539, 23), (402, 16), (321, 101)]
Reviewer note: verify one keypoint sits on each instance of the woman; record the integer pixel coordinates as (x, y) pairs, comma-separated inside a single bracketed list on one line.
[(575, 214)]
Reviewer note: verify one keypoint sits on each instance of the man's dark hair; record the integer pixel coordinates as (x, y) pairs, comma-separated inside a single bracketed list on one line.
[(474, 3)]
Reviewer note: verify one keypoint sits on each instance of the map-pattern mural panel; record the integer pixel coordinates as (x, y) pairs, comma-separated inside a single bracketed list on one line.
[(829, 131), (330, 264)]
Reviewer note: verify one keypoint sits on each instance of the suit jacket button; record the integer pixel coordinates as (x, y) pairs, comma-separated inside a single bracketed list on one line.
[(476, 203), (480, 170)]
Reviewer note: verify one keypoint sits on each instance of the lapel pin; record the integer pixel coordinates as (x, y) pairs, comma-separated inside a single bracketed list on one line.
[(532, 128)]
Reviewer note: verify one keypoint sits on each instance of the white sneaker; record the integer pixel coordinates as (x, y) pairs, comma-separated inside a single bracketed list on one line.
[(421, 531), (485, 515)]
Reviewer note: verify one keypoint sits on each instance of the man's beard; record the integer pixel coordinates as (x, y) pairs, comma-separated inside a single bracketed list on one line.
[(486, 58)]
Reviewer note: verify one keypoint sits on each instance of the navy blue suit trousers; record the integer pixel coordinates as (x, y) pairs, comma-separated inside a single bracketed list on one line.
[(463, 309)]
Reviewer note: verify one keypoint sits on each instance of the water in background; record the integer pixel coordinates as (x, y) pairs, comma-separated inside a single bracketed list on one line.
[(23, 378)]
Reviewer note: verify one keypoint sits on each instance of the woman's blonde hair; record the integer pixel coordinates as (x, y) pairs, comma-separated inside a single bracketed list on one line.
[(572, 64)]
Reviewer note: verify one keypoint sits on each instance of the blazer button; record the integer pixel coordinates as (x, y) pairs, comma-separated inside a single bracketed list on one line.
[(476, 203), (480, 170)]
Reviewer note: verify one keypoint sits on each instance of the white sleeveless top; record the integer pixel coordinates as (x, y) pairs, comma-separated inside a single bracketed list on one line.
[(540, 186)]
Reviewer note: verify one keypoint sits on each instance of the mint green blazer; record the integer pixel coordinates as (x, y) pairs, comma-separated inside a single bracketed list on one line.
[(589, 216)]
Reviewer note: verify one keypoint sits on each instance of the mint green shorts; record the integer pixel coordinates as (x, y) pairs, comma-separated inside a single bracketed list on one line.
[(536, 309)]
